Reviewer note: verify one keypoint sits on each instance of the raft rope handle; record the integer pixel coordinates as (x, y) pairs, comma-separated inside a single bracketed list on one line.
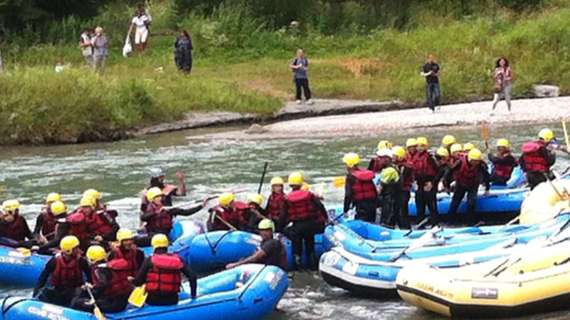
[(250, 282), (5, 310)]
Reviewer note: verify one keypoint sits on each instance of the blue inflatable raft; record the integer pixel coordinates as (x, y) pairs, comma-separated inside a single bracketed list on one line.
[(246, 292), (23, 269), (358, 267)]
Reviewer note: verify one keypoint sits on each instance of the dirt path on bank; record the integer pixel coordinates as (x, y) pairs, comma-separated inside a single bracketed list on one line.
[(524, 111)]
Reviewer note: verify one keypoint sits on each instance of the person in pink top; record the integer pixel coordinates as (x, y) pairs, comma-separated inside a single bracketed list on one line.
[(503, 76)]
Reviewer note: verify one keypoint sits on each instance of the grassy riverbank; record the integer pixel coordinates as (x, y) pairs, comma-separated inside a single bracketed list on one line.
[(242, 66)]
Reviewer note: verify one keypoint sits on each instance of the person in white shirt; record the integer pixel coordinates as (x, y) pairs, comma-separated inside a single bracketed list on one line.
[(140, 23)]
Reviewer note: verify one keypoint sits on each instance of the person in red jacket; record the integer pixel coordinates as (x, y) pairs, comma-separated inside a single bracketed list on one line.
[(383, 157), (276, 200), (503, 163), (157, 180), (255, 212), (127, 249), (426, 171), (469, 173), (66, 272), (360, 191), (228, 214), (304, 215), (13, 227), (109, 285), (46, 221), (162, 273), (158, 219), (406, 170), (537, 158)]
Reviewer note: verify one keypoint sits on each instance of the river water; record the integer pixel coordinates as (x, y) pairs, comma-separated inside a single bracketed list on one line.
[(120, 171)]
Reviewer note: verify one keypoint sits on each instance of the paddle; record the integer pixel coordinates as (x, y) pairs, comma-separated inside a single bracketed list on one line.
[(138, 296), (420, 242), (224, 221), (485, 134), (96, 311), (339, 182), (262, 176), (566, 135)]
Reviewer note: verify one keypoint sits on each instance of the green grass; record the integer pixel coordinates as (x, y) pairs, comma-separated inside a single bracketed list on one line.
[(242, 67)]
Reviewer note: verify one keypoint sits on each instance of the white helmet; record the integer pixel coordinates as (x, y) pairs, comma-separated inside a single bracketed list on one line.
[(156, 172)]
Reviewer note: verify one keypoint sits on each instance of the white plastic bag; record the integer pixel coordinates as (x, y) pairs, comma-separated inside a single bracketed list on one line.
[(127, 48)]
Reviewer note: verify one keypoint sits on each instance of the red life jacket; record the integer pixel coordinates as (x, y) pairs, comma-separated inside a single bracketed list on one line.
[(240, 213), (97, 225), (16, 230), (67, 273), (467, 175), (120, 285), (48, 223), (424, 166), (363, 187), (300, 205), (274, 205), (379, 163), (533, 157), (503, 171), (130, 257), (161, 222), (164, 276), (407, 179), (78, 225)]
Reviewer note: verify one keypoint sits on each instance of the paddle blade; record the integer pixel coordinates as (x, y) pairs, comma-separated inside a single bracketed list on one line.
[(138, 297), (339, 182), (485, 131), (98, 314)]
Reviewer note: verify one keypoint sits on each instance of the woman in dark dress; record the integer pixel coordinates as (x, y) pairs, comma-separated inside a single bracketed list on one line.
[(183, 52)]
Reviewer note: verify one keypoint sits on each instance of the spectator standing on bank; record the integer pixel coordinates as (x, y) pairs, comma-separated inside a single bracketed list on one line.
[(183, 52), (300, 66), (86, 46), (503, 76), (100, 49), (141, 23), (430, 71)]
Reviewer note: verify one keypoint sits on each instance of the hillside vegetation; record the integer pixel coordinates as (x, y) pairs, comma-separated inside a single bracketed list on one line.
[(358, 49)]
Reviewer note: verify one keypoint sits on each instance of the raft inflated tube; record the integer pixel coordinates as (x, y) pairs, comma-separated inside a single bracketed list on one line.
[(516, 286), (546, 201), (246, 292)]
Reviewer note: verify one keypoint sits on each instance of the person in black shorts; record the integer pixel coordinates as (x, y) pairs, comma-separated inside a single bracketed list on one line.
[(270, 252)]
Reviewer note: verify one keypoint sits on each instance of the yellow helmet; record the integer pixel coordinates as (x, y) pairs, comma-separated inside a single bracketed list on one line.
[(389, 175), (255, 198), (503, 143), (475, 154), (266, 224), (399, 152), (57, 208), (68, 243), (11, 205), (96, 254), (52, 197), (87, 201), (448, 140), (152, 193), (351, 159), (422, 141), (226, 198), (159, 241), (296, 179), (468, 146), (456, 147), (384, 144), (124, 234), (546, 134), (92, 193), (442, 152), (277, 181), (411, 142)]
